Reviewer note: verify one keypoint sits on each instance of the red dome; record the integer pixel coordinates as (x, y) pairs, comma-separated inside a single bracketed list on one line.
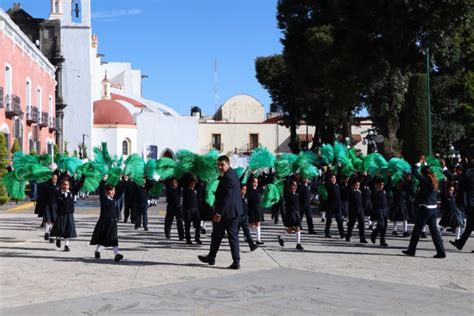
[(111, 112)]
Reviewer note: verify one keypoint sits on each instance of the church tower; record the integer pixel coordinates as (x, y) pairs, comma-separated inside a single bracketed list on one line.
[(76, 47)]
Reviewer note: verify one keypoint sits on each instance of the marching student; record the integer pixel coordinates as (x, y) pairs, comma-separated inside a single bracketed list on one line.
[(64, 226), (191, 212), (173, 209), (105, 231), (380, 211), (398, 209), (452, 216), (292, 215), (255, 210), (205, 210), (244, 220), (333, 206), (356, 211), (141, 204), (305, 203), (129, 187)]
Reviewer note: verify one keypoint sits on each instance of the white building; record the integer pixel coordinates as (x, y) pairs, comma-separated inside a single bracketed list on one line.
[(75, 19)]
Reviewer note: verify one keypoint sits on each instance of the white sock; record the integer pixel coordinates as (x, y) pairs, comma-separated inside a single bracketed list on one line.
[(369, 222), (98, 248), (203, 224), (405, 226), (66, 242), (116, 250), (395, 226), (424, 229), (323, 214), (47, 228), (298, 237), (258, 233), (283, 236), (458, 232)]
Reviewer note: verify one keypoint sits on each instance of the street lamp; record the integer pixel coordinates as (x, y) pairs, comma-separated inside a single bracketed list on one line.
[(451, 154), (83, 149), (348, 142)]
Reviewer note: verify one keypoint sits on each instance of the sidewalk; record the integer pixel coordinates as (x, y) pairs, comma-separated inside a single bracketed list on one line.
[(160, 276)]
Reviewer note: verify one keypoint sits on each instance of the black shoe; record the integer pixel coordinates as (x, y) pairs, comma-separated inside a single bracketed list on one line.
[(363, 241), (253, 247), (97, 255), (281, 241), (348, 238), (455, 244), (406, 234), (276, 221), (66, 248), (371, 227), (181, 238), (51, 240), (373, 238), (198, 241), (42, 225), (234, 266), (383, 243), (146, 229), (125, 220), (439, 256), (203, 231), (312, 232), (327, 236), (118, 257), (58, 243), (206, 259), (260, 243), (299, 247), (342, 236), (323, 220), (395, 233), (408, 253), (168, 237), (189, 242), (46, 236), (423, 235)]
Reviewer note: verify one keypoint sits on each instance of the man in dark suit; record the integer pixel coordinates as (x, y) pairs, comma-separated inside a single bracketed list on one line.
[(228, 210)]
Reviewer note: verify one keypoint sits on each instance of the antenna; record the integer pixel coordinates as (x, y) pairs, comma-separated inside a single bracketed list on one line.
[(216, 97)]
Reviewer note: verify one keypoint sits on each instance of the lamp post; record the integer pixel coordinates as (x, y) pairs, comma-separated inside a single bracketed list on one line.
[(83, 151), (428, 103)]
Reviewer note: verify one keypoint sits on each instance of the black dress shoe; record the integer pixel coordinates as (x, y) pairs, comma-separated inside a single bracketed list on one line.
[(58, 243), (455, 244), (327, 236), (406, 234), (207, 260), (408, 253), (323, 220), (66, 248), (203, 231), (423, 235), (189, 242), (118, 257), (439, 256), (395, 233), (51, 240), (260, 243), (168, 237), (281, 241), (234, 266), (312, 232), (198, 241), (299, 247), (363, 241), (46, 236), (181, 238), (146, 229), (253, 247), (383, 243), (373, 238), (97, 255), (348, 238)]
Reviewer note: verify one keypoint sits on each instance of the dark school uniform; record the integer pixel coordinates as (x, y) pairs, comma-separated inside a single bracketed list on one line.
[(255, 211), (305, 203), (380, 212), (173, 209), (191, 213), (356, 213), (334, 209), (292, 209), (244, 223)]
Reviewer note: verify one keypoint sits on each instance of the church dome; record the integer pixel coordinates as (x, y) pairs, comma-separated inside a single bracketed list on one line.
[(111, 112)]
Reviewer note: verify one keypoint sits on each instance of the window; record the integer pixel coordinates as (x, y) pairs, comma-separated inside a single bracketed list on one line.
[(39, 100), (50, 148), (216, 142), (8, 80), (56, 6), (76, 11), (253, 141), (28, 92), (50, 106), (125, 147)]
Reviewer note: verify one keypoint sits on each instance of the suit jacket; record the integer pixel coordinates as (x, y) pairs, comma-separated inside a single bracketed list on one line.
[(228, 202)]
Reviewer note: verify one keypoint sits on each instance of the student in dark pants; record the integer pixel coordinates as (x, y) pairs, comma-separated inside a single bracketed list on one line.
[(191, 212), (356, 211), (427, 212), (380, 212), (244, 220), (129, 187), (173, 209), (333, 206), (305, 202), (141, 204)]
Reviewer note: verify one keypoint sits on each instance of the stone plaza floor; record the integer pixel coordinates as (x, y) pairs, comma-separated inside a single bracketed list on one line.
[(164, 277)]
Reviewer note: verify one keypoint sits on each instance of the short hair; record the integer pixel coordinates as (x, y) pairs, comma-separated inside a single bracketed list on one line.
[(223, 158), (109, 187), (379, 180)]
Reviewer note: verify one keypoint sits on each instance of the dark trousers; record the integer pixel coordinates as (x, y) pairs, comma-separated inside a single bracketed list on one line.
[(170, 215), (142, 212), (192, 216), (469, 227), (426, 216), (306, 211), (336, 212), (353, 216), (128, 211), (244, 223), (381, 215), (275, 212), (119, 202), (232, 229)]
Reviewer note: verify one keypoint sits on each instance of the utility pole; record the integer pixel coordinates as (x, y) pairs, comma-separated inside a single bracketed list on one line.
[(428, 103)]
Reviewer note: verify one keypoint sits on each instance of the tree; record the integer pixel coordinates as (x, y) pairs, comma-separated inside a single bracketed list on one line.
[(15, 147), (414, 127), (55, 152), (3, 165), (65, 152)]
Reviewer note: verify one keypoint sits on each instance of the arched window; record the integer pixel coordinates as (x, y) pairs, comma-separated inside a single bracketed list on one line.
[(8, 80), (126, 147), (39, 100), (28, 93), (50, 106), (76, 11)]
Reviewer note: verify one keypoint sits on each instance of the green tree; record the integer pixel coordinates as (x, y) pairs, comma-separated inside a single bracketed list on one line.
[(414, 129), (65, 151), (15, 147), (55, 152), (3, 164)]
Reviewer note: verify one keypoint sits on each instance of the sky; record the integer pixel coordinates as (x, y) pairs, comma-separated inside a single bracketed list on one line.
[(176, 43)]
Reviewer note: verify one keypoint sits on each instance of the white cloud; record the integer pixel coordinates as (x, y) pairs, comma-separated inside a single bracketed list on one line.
[(114, 13)]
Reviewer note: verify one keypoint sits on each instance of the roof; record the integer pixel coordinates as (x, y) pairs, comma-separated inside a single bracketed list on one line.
[(111, 112), (134, 102)]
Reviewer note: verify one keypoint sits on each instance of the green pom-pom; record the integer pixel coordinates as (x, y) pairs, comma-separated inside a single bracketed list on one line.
[(135, 169), (322, 191), (284, 165), (114, 175), (375, 163), (93, 176), (261, 158), (150, 169), (165, 167), (240, 171), (327, 153), (308, 171), (210, 192), (14, 185), (357, 162), (205, 167), (340, 152), (271, 195), (156, 189)]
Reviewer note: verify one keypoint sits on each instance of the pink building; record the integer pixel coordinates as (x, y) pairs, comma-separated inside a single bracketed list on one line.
[(27, 91)]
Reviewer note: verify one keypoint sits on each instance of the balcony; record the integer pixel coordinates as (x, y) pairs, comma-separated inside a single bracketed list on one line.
[(218, 146), (12, 106), (252, 146), (53, 124), (1, 98), (32, 115), (44, 119)]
